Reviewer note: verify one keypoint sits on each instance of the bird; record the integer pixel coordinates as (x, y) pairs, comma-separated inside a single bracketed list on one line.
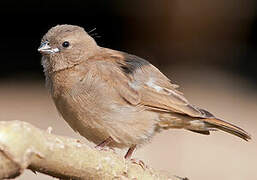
[(116, 99)]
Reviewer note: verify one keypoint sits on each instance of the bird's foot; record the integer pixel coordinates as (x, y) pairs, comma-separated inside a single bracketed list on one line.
[(139, 162), (133, 160), (103, 145)]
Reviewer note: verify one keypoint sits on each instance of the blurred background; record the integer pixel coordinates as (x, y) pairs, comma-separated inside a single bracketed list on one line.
[(208, 47)]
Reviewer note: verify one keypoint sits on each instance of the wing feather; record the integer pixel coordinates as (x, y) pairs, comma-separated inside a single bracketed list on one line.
[(140, 83)]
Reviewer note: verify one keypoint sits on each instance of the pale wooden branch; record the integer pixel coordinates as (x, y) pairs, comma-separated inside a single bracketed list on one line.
[(25, 146)]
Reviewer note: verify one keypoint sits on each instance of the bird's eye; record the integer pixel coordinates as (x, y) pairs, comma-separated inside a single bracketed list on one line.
[(65, 44)]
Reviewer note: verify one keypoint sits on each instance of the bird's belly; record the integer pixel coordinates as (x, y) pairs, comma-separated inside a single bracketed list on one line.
[(80, 119), (127, 125)]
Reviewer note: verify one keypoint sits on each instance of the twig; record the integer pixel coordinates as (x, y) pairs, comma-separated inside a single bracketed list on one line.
[(23, 146)]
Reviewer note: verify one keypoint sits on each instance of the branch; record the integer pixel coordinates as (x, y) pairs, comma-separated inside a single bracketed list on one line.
[(25, 146)]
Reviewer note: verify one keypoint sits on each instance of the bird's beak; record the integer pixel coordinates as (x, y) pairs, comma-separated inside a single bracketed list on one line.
[(44, 48)]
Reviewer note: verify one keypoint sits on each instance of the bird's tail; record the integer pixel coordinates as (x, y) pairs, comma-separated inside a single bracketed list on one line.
[(215, 123)]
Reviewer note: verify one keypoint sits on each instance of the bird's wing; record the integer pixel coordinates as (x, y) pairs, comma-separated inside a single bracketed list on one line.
[(140, 83), (158, 93), (158, 97)]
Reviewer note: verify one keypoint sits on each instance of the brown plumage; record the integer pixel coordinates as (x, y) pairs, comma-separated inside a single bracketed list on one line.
[(113, 98)]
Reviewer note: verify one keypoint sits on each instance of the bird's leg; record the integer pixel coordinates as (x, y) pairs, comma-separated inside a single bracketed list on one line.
[(104, 143), (129, 154)]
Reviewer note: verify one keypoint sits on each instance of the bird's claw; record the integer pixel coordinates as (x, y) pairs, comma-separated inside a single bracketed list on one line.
[(139, 162)]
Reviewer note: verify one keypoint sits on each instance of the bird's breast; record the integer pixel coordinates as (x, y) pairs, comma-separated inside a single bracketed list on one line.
[(96, 111)]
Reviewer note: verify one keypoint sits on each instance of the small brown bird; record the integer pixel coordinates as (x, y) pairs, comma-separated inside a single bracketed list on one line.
[(113, 98)]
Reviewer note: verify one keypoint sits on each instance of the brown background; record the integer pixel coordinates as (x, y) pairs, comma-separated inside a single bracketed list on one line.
[(208, 47)]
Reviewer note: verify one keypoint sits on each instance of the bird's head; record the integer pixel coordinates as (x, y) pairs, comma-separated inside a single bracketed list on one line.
[(64, 46)]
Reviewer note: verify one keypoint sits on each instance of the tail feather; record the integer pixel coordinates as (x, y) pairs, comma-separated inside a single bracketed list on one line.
[(200, 132), (227, 127)]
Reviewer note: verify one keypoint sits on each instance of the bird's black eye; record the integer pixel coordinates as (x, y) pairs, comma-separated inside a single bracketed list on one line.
[(65, 44)]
